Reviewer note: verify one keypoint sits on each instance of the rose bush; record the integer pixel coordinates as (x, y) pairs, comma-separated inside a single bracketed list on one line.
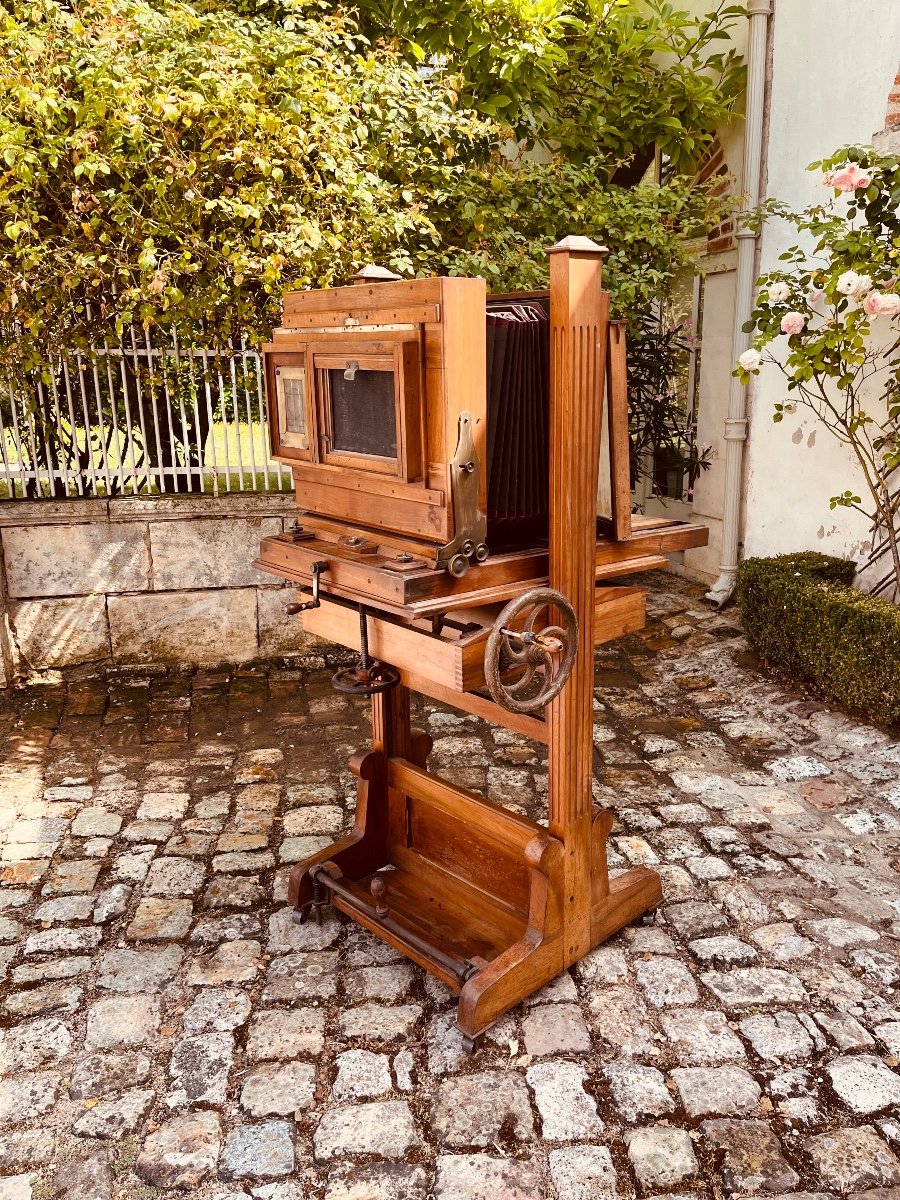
[(828, 321)]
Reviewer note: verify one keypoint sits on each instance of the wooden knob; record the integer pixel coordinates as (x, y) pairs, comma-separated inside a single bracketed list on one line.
[(378, 888)]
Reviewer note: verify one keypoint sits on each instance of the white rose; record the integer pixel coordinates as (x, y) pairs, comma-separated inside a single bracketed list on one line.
[(848, 283), (778, 293), (863, 286), (750, 360)]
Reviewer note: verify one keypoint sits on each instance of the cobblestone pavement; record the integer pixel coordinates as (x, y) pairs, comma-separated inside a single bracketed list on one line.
[(166, 1028)]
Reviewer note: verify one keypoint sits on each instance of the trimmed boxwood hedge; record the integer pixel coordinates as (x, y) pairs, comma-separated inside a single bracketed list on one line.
[(806, 623)]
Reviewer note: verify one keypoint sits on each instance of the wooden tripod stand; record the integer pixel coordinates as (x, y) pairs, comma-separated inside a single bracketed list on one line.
[(488, 901)]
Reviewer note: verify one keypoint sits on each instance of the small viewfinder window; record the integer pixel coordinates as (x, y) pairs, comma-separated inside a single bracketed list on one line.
[(363, 417), (290, 390)]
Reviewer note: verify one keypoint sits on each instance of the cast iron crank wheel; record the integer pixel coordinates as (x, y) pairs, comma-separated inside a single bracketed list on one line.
[(526, 667), (369, 676)]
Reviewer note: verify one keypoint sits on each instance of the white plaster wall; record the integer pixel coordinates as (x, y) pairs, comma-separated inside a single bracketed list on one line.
[(834, 62)]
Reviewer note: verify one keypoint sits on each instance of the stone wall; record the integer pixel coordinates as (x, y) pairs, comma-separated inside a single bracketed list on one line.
[(142, 579)]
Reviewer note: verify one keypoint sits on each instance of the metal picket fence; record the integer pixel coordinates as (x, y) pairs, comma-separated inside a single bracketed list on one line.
[(139, 418)]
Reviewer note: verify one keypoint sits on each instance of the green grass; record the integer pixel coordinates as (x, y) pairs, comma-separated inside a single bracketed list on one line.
[(245, 447)]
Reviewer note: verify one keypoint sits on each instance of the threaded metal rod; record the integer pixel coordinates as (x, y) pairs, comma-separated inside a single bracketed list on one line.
[(363, 639)]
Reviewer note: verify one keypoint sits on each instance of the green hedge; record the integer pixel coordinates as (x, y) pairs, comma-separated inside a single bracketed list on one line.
[(808, 624)]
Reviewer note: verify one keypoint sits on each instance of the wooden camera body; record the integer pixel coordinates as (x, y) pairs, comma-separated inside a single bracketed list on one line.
[(451, 452)]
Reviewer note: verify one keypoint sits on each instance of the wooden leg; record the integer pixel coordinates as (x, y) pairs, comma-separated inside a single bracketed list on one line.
[(364, 849), (630, 896)]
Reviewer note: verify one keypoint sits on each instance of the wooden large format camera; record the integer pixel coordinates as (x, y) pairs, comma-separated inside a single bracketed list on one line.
[(462, 478)]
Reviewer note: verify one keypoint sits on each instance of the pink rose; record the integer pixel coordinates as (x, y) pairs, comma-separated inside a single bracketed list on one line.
[(877, 304), (793, 322), (848, 178)]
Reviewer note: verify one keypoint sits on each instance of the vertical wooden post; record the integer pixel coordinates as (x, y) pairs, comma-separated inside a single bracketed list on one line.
[(390, 722), (578, 339)]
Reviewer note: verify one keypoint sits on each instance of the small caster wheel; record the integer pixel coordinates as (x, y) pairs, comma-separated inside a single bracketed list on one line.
[(649, 918), (481, 552), (458, 565), (468, 549), (472, 1045)]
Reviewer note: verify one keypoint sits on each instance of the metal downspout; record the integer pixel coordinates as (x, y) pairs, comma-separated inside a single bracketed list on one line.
[(759, 12)]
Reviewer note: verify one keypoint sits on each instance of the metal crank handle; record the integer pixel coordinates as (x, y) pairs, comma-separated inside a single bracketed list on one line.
[(532, 639), (317, 569)]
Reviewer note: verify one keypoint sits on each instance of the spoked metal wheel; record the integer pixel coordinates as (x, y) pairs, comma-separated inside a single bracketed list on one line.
[(531, 650)]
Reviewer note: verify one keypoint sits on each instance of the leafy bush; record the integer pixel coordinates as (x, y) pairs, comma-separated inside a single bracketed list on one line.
[(807, 624), (177, 166)]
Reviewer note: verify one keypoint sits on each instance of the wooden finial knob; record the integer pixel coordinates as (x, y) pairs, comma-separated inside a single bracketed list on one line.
[(374, 274), (378, 888)]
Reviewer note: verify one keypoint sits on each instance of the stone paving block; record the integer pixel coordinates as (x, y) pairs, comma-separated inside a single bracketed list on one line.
[(174, 877), (778, 1035), (26, 1149), (853, 1160), (232, 962), (583, 1173), (34, 1044), (361, 1075), (220, 1009), (40, 1001), (864, 1084), (389, 982), (747, 987), (16, 1187), (199, 1069), (284, 1035), (752, 1158), (555, 1029), (139, 970), (54, 941), (638, 1091), (209, 627), (263, 1151), (721, 1091), (889, 1033), (182, 1153), (602, 966), (379, 1022), (122, 1021), (568, 1112), (382, 1127), (101, 1075), (844, 1031), (722, 951), (666, 982), (90, 1178), (474, 1109), (158, 920), (702, 1037), (72, 875), (695, 918), (883, 967), (782, 942), (839, 933), (113, 1119), (301, 977), (618, 1017), (279, 1089), (484, 1177), (382, 1181), (661, 1156), (96, 822), (27, 1095)]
